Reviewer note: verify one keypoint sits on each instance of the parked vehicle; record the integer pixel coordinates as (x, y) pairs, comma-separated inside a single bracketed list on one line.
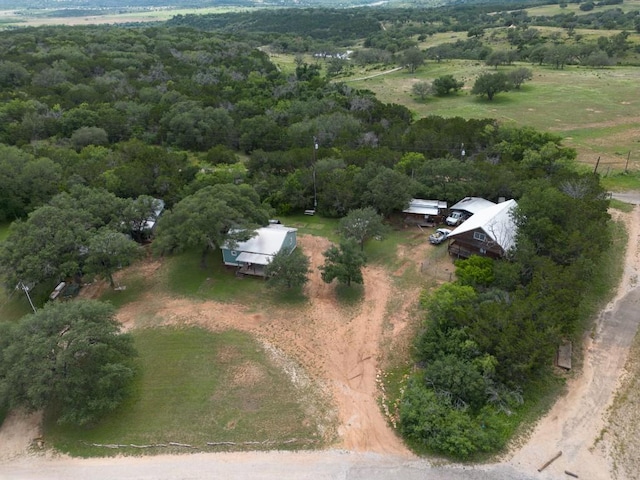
[(439, 236), (455, 218)]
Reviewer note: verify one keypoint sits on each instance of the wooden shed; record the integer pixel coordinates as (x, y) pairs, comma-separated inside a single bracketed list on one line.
[(426, 213)]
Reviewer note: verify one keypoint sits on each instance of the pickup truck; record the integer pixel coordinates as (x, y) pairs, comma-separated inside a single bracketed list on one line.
[(455, 218)]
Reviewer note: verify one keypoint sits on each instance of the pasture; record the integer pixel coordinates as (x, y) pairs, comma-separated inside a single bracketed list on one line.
[(595, 111)]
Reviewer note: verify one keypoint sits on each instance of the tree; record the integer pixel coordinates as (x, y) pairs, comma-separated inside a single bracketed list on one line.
[(599, 59), (518, 76), (413, 58), (475, 32), (421, 89), (344, 263), (288, 269), (85, 136), (210, 218), (496, 58), (45, 246), (335, 65), (490, 84), (445, 84), (141, 215), (26, 182), (387, 191), (69, 358), (108, 251), (361, 225)]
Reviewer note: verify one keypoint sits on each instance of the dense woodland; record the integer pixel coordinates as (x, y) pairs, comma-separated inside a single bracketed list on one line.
[(99, 121)]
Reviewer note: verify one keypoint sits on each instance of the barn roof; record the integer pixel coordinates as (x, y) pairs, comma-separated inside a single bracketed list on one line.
[(418, 206), (496, 221), (267, 242), (472, 205)]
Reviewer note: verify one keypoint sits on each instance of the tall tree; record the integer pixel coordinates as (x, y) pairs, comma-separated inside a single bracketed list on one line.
[(490, 84), (108, 251), (288, 269), (48, 245), (210, 218), (446, 84), (361, 225), (413, 58), (344, 263), (389, 190), (70, 358)]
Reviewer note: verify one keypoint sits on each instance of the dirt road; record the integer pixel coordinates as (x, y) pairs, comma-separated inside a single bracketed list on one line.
[(345, 354)]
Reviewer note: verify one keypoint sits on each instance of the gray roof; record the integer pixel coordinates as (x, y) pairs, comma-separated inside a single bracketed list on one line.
[(472, 205), (419, 206), (495, 221), (267, 242)]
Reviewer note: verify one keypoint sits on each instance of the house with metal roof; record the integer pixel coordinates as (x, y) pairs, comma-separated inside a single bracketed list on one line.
[(472, 204), (424, 212), (491, 232), (465, 208), (253, 255)]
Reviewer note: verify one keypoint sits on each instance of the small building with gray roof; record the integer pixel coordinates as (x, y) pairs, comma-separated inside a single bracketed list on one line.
[(251, 256)]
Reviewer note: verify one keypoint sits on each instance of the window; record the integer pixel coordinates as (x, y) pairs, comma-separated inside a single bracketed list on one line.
[(234, 253), (481, 237)]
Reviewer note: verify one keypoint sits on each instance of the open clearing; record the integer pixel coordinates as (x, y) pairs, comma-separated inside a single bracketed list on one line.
[(595, 111), (343, 352)]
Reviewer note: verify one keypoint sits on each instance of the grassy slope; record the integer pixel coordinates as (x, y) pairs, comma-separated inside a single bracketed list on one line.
[(197, 387)]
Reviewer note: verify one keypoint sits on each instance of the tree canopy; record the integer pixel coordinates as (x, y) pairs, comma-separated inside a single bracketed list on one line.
[(69, 358), (343, 262), (490, 84), (288, 269), (362, 224), (210, 218)]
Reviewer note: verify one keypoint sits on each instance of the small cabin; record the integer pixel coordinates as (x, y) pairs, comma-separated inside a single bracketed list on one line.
[(252, 256)]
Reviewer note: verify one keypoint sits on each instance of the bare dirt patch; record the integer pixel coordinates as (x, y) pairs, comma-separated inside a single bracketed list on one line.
[(19, 432), (338, 346)]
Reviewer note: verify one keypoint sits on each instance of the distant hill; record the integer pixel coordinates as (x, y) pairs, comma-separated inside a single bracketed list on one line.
[(145, 4)]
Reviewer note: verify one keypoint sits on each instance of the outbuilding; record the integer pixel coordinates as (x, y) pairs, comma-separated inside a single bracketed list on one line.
[(425, 213)]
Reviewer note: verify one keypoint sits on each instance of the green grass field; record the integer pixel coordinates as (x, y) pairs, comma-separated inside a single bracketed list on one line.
[(594, 110), (555, 9), (196, 387)]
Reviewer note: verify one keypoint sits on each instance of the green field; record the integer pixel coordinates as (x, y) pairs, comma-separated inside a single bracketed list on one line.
[(594, 110), (196, 387), (555, 9)]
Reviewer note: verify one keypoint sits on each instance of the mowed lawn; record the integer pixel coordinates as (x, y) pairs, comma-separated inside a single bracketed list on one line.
[(196, 387), (596, 111)]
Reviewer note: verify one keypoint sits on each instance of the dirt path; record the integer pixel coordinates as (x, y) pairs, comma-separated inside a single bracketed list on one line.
[(338, 346)]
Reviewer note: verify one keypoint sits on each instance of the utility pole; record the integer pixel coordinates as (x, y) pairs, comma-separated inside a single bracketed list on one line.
[(25, 288), (315, 157)]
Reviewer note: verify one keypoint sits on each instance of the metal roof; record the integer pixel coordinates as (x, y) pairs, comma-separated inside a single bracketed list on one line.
[(495, 221), (255, 258), (267, 242), (419, 206), (472, 205)]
